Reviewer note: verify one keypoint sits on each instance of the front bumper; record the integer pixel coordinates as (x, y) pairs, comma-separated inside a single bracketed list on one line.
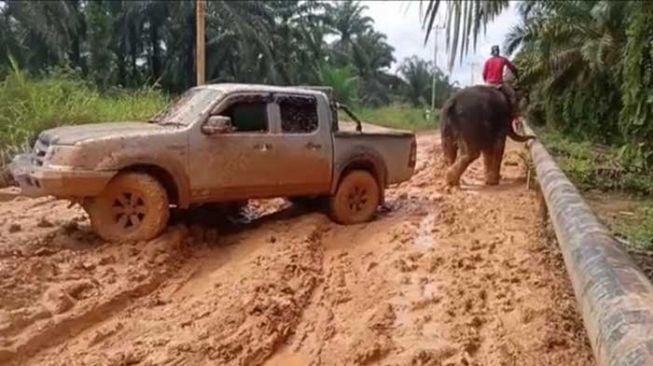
[(58, 181)]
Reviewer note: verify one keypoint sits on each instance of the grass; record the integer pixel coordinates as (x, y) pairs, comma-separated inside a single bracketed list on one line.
[(397, 116), (600, 168), (628, 217), (592, 166), (639, 231), (29, 105)]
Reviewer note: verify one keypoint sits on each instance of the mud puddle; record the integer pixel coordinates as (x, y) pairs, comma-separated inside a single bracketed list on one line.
[(443, 278)]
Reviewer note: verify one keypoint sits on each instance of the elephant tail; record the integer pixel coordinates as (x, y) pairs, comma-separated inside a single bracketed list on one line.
[(448, 120), (517, 137)]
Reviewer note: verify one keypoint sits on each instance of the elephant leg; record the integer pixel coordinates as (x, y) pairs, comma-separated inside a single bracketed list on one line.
[(493, 159), (455, 171), (488, 163), (450, 150)]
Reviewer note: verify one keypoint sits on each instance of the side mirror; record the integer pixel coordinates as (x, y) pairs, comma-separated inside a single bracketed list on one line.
[(217, 124)]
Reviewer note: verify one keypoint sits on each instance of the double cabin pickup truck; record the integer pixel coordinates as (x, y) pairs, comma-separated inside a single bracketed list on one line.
[(217, 143)]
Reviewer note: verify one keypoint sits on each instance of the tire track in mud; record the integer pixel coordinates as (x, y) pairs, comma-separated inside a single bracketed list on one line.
[(67, 308), (462, 277), (233, 302)]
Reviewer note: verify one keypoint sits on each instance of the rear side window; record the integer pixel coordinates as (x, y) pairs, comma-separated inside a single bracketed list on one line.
[(298, 114)]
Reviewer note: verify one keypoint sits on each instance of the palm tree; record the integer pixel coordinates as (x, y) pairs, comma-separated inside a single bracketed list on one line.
[(418, 82), (342, 80), (372, 57), (348, 23), (465, 19), (417, 74), (50, 28), (568, 49)]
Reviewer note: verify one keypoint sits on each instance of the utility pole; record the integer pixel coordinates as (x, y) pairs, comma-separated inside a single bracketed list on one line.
[(437, 30), (473, 65), (200, 54)]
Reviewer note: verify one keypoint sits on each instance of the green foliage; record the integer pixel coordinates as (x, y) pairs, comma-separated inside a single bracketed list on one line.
[(637, 88), (418, 83), (343, 81), (589, 68), (641, 232), (396, 116), (29, 105), (418, 75), (465, 20), (592, 166), (149, 42)]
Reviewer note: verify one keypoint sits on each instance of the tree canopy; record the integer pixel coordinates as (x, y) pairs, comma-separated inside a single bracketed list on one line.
[(588, 64), (132, 43)]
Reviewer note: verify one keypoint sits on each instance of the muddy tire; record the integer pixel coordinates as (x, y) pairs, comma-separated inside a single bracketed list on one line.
[(133, 206), (356, 199)]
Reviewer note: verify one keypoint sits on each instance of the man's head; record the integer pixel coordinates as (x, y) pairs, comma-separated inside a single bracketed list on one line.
[(495, 50)]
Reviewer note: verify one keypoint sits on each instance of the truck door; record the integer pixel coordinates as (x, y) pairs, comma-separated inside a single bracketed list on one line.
[(239, 163), (305, 148)]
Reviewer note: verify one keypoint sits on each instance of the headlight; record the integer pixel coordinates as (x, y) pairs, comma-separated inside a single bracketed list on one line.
[(63, 155)]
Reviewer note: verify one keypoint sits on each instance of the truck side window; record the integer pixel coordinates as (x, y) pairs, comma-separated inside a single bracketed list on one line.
[(298, 114), (248, 115)]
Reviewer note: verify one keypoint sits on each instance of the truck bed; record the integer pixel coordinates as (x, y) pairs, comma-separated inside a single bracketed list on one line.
[(391, 145), (349, 128)]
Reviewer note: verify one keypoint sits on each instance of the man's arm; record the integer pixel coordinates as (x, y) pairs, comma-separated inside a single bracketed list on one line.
[(485, 71), (512, 68)]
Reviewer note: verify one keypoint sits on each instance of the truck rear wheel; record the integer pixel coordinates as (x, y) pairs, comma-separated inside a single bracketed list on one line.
[(133, 206), (356, 199)]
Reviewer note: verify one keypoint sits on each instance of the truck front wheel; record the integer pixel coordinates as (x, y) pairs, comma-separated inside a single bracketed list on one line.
[(133, 206), (356, 198)]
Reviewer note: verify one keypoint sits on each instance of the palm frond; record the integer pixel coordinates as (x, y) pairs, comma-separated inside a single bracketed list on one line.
[(465, 19)]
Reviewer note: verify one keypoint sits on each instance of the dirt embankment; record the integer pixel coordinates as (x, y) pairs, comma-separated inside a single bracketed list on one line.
[(444, 278)]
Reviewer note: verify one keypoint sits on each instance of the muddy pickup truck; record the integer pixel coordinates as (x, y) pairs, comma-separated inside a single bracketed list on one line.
[(217, 143)]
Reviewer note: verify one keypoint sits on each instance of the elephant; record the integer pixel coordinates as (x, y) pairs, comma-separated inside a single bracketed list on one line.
[(477, 120)]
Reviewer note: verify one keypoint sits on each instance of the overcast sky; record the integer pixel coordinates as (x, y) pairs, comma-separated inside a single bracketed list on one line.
[(401, 22)]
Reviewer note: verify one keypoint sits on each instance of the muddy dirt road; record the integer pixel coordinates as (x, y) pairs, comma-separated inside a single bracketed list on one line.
[(442, 278)]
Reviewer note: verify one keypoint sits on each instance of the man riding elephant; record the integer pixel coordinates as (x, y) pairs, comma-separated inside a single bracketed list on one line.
[(477, 121), (499, 72), (494, 69)]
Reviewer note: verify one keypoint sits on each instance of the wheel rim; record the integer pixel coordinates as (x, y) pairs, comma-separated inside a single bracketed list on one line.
[(128, 210), (358, 199)]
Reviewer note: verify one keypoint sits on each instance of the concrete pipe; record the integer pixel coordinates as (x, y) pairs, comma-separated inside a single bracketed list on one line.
[(614, 295)]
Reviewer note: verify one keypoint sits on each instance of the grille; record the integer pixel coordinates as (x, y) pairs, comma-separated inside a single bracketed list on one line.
[(40, 148)]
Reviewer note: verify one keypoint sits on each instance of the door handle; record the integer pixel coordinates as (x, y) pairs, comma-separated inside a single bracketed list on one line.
[(263, 147), (312, 146)]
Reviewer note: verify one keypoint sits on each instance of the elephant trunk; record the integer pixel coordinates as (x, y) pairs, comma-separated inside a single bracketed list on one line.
[(517, 137)]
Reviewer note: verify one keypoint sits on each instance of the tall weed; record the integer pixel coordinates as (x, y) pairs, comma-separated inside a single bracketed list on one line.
[(29, 105)]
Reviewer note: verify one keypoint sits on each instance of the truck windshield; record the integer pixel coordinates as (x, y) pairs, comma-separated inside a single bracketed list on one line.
[(187, 108)]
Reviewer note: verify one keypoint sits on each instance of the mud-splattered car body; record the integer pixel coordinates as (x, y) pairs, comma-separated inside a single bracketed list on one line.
[(219, 143)]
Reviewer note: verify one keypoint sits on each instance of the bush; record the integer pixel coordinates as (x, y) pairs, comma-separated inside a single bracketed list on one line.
[(29, 105), (397, 116), (592, 166)]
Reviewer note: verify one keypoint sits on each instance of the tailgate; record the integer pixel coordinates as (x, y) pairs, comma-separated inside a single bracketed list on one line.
[(397, 149)]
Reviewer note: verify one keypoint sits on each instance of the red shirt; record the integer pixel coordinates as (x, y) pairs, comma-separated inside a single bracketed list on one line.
[(493, 69)]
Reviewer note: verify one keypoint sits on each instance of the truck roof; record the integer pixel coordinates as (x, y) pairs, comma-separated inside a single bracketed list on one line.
[(233, 87)]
